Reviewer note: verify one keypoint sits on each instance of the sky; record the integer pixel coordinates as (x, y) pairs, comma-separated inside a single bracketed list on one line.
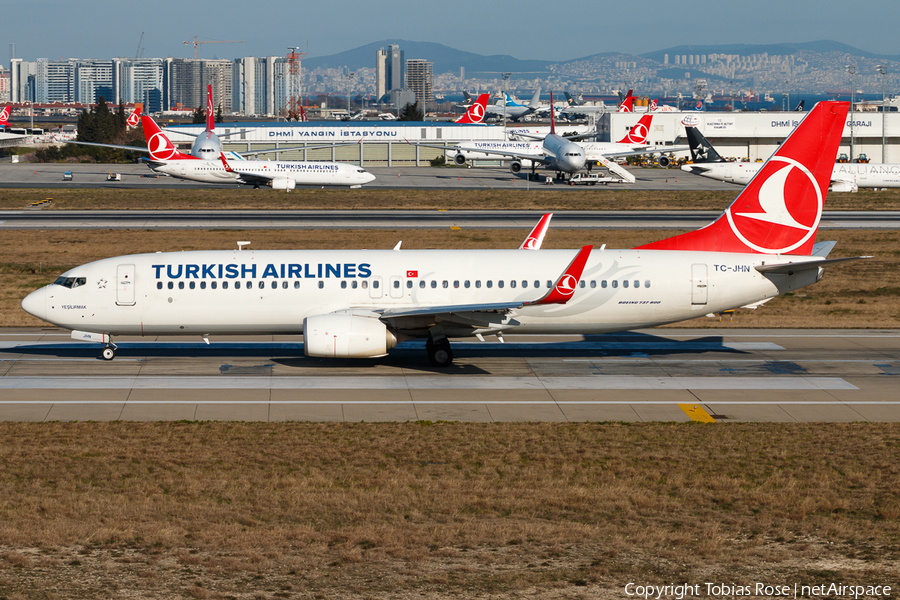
[(524, 29)]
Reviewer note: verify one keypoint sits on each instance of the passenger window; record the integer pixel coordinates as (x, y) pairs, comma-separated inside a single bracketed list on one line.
[(408, 283), (500, 284), (615, 283), (422, 284), (637, 283), (549, 284), (262, 284), (603, 284), (365, 285), (456, 283), (343, 285), (374, 284), (237, 285), (625, 283), (524, 283), (396, 284), (445, 284), (171, 285), (466, 284), (202, 285), (192, 285), (353, 284), (512, 283), (321, 284), (433, 283), (180, 285), (224, 285), (159, 285), (284, 285), (647, 283), (213, 285), (490, 283), (537, 283), (477, 283), (593, 283), (296, 285), (581, 283)]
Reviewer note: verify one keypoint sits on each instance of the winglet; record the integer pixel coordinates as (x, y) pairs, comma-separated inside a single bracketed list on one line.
[(228, 169), (536, 237), (568, 281)]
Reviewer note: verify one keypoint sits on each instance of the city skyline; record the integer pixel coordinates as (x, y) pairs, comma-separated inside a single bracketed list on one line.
[(103, 29)]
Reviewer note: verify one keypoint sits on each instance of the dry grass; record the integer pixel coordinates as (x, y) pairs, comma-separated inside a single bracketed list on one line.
[(216, 510), (410, 199), (858, 294)]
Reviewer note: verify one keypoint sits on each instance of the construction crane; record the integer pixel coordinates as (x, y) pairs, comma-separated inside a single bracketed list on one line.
[(137, 54), (195, 43)]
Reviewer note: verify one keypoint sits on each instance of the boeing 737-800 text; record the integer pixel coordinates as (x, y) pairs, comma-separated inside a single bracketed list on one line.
[(361, 303)]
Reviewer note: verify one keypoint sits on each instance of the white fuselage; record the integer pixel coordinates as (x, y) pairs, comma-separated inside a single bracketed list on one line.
[(273, 291), (864, 175), (494, 150), (302, 172)]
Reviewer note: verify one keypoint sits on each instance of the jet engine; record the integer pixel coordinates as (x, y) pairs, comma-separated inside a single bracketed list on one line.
[(342, 335), (284, 183), (515, 167), (459, 159), (663, 161)]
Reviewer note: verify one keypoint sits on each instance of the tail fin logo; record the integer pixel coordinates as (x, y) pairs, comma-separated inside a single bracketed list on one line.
[(638, 134), (530, 243), (134, 118), (160, 147), (566, 285), (4, 116), (476, 112), (780, 221)]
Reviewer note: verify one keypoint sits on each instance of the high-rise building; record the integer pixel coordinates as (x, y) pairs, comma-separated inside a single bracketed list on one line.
[(139, 80), (22, 76), (256, 89), (185, 81), (54, 81), (396, 69), (419, 79), (4, 86), (93, 79), (381, 57)]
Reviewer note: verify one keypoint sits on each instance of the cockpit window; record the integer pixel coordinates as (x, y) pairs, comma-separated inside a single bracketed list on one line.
[(70, 282)]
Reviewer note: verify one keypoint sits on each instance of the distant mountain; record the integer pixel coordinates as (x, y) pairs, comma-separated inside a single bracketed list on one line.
[(445, 59), (771, 49)]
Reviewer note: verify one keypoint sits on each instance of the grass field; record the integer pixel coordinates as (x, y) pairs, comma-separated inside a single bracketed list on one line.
[(444, 510), (857, 294), (412, 199)]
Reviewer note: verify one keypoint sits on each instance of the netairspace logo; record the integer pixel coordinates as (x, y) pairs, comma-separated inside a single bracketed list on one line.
[(757, 590)]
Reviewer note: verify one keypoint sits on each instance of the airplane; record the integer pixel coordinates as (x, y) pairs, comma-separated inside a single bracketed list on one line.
[(627, 104), (280, 175), (574, 108), (845, 177), (134, 119), (513, 110), (476, 112), (4, 117), (362, 303)]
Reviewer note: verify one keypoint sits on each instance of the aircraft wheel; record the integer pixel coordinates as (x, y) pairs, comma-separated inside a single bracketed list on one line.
[(440, 354), (108, 353)]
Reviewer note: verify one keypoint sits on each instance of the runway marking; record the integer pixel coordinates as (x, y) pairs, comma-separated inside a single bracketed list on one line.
[(696, 413), (601, 382), (457, 402)]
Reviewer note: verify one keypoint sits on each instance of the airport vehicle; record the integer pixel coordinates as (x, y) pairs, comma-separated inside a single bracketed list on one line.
[(476, 111), (278, 174), (361, 303), (114, 176), (67, 176), (845, 176)]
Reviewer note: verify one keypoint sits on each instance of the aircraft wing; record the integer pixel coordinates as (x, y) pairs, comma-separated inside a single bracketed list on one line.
[(131, 148), (540, 158), (641, 151)]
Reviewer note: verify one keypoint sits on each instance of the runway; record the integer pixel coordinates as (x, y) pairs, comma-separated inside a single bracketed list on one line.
[(139, 176), (399, 219), (645, 375)]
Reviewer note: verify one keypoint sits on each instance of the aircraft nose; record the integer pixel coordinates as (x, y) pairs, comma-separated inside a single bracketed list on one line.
[(369, 177), (35, 303)]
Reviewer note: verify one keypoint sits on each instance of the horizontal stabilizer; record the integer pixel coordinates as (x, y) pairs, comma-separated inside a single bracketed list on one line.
[(796, 267)]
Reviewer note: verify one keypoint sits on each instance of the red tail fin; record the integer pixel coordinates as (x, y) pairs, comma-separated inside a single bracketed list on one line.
[(4, 116), (159, 145), (210, 115), (628, 103), (475, 114), (134, 118), (780, 209), (536, 237), (638, 134)]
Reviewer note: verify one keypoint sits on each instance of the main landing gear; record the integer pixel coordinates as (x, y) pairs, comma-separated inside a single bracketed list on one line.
[(439, 352), (109, 351)]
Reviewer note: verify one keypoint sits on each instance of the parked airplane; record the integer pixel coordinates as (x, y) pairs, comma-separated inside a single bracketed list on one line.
[(361, 303), (513, 110), (476, 111), (845, 177), (4, 117), (134, 119), (627, 104), (280, 175)]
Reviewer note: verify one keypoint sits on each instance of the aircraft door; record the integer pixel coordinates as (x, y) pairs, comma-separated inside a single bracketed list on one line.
[(375, 290), (728, 176), (396, 287), (699, 283), (125, 285)]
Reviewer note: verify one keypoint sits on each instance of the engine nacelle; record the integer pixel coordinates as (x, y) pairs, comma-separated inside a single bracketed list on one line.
[(283, 183), (342, 335), (663, 161), (515, 167), (459, 159)]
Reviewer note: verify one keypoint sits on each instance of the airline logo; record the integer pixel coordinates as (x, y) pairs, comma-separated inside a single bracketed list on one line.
[(160, 147), (566, 286), (530, 243), (476, 111), (568, 281), (653, 104), (691, 121), (271, 270), (134, 118), (638, 133), (699, 105), (628, 103), (777, 216), (4, 116)]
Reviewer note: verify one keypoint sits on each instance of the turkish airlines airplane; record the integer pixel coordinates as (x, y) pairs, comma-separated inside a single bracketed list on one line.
[(134, 119), (4, 117), (476, 111), (845, 177), (361, 303), (279, 174)]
